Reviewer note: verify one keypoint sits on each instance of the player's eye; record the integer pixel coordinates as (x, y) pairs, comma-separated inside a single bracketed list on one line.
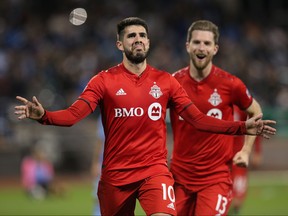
[(144, 35), (208, 43), (131, 35)]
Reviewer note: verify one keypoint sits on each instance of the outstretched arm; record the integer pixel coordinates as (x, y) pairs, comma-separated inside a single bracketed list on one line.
[(253, 126), (34, 110)]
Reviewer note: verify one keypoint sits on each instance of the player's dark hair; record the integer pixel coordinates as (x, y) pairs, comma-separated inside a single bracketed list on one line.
[(128, 22), (203, 25)]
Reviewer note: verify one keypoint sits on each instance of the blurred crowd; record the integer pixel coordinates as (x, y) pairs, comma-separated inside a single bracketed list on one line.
[(43, 54)]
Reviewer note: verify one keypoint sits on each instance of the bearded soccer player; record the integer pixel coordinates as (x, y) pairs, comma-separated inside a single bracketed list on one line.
[(133, 97), (201, 161)]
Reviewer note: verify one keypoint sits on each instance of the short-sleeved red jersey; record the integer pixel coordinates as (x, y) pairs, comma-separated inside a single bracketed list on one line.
[(133, 114), (200, 158)]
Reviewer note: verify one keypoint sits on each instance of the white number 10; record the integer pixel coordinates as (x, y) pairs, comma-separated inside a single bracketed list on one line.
[(168, 191)]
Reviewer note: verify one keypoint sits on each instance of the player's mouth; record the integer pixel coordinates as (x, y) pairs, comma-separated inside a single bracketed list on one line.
[(138, 47), (200, 56)]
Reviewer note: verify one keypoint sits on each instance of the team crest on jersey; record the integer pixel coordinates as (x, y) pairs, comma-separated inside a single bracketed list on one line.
[(155, 91), (215, 98)]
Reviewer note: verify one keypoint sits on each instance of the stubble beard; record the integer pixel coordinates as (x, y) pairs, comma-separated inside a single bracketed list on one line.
[(200, 65)]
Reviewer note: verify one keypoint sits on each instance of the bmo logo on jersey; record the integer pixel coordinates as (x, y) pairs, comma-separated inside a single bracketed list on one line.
[(154, 112), (216, 113), (133, 111)]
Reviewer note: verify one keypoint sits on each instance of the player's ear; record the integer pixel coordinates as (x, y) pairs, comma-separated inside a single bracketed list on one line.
[(148, 44), (187, 46), (216, 48), (119, 45)]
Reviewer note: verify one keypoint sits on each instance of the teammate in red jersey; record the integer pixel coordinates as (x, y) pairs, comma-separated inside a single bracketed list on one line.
[(133, 97), (201, 161), (240, 174)]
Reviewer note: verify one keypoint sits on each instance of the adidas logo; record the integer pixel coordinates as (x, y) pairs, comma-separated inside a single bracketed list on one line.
[(171, 205), (120, 92)]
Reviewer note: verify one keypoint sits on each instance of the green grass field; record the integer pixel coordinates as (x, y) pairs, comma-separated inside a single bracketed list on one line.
[(267, 195)]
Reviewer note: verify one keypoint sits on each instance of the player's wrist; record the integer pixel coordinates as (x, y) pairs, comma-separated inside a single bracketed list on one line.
[(43, 117), (243, 128), (246, 150)]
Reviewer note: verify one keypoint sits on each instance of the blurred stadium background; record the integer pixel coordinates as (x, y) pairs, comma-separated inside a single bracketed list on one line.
[(42, 54)]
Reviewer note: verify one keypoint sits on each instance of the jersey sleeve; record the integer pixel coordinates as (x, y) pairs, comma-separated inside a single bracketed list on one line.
[(94, 91), (241, 95), (86, 103), (209, 124), (68, 117)]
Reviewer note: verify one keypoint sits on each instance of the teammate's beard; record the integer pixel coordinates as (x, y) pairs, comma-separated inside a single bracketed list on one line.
[(135, 59)]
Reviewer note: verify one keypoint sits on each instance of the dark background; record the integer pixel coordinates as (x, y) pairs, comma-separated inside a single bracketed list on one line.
[(43, 54)]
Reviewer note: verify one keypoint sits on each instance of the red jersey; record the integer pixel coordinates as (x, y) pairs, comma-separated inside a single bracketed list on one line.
[(201, 158), (133, 110), (133, 113)]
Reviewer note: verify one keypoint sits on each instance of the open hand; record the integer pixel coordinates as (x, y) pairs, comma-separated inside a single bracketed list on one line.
[(33, 110), (257, 126)]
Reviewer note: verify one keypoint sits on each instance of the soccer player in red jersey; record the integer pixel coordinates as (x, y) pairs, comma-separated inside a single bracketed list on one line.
[(240, 174), (133, 97), (201, 161)]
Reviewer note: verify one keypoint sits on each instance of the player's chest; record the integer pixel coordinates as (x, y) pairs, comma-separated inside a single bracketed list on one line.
[(208, 97), (131, 94)]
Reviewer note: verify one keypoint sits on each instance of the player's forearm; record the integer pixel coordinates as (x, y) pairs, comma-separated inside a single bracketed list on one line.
[(253, 110), (248, 144), (209, 124), (68, 117)]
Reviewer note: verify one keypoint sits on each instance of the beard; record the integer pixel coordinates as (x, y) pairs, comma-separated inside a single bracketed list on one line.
[(200, 65), (137, 58)]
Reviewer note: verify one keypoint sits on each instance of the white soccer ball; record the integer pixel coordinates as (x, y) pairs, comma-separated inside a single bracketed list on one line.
[(78, 16)]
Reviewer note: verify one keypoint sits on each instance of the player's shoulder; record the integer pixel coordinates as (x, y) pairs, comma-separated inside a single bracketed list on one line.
[(109, 73), (106, 74), (224, 75), (181, 72), (112, 70), (158, 72), (155, 70)]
